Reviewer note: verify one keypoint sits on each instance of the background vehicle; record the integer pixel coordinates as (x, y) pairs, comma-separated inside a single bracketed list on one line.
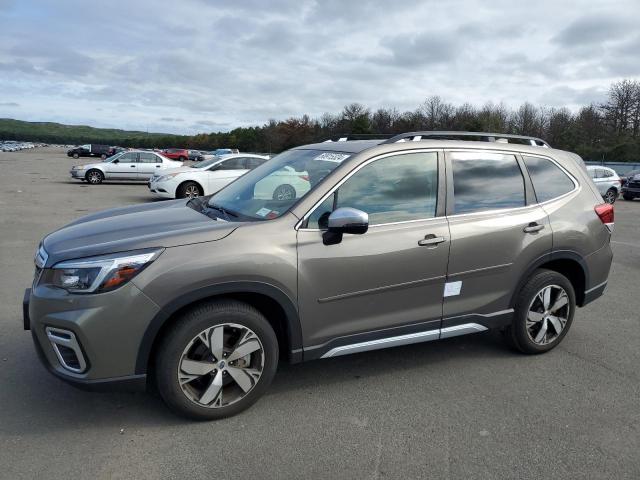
[(89, 150), (195, 155), (180, 154), (631, 188), (400, 241), (607, 181), (218, 153), (132, 165), (203, 178)]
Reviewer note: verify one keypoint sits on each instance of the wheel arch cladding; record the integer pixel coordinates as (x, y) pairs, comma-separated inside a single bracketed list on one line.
[(279, 310), (567, 263)]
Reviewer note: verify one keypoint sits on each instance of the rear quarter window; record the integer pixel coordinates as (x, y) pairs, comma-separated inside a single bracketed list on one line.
[(549, 181)]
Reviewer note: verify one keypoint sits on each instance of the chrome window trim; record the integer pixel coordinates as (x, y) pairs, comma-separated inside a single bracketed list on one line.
[(577, 187), (353, 172)]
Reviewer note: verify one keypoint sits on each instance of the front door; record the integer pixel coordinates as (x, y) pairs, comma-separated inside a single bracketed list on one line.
[(126, 167), (383, 287), (497, 231)]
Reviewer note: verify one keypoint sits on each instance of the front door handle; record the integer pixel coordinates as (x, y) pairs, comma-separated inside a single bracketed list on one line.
[(431, 240), (133, 166), (532, 228)]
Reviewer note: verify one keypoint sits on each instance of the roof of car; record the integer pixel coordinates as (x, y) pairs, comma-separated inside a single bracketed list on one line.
[(351, 146)]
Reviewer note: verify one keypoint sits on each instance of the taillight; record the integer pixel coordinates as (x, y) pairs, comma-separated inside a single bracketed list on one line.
[(304, 177), (605, 214)]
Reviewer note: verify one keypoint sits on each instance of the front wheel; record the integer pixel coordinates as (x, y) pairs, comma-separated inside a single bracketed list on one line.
[(627, 196), (94, 177), (284, 192), (216, 360), (611, 196), (543, 313), (76, 155), (189, 190)]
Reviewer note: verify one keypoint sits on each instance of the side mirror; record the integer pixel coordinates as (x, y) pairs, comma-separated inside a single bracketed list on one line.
[(116, 161), (345, 220)]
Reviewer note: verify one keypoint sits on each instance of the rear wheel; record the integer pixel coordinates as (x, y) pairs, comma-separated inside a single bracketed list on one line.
[(94, 177), (103, 156), (611, 196), (76, 155), (182, 159), (284, 192), (543, 313), (216, 360), (189, 190)]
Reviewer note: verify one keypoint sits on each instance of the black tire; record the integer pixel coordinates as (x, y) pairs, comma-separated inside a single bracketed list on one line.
[(611, 196), (76, 155), (284, 192), (189, 190), (516, 334), (103, 156), (182, 159), (189, 326), (94, 177), (628, 197)]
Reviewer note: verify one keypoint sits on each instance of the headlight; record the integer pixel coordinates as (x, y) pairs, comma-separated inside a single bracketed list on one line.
[(164, 178), (99, 274)]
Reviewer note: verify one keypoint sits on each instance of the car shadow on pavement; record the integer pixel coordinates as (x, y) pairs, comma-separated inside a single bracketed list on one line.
[(44, 403)]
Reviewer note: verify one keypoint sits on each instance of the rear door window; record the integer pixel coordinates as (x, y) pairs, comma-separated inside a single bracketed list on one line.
[(549, 181), (486, 181)]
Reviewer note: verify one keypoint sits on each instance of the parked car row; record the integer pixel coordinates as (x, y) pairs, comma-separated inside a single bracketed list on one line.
[(14, 146)]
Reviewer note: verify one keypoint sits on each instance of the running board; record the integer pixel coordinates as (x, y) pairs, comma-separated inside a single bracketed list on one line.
[(408, 339)]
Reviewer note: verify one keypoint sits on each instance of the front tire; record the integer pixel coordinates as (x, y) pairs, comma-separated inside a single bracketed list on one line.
[(611, 196), (94, 177), (628, 197), (76, 155), (189, 190), (216, 360), (543, 313)]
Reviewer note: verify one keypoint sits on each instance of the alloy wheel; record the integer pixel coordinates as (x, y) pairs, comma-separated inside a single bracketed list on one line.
[(284, 192), (221, 365), (94, 177), (191, 191), (548, 314), (610, 196)]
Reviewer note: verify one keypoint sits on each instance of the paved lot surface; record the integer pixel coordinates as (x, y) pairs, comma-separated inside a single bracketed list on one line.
[(460, 408)]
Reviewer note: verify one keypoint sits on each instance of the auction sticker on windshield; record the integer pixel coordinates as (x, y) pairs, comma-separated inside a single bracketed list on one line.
[(332, 157)]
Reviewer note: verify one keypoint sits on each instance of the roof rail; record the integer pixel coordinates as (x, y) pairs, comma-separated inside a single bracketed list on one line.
[(470, 136), (344, 137)]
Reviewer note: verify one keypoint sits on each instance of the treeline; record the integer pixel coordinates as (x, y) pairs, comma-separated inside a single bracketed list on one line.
[(608, 131)]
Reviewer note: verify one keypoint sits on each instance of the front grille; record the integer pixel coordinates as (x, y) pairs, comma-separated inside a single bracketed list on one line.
[(633, 184)]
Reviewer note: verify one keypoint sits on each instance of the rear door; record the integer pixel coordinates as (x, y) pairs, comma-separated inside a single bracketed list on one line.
[(126, 167), (148, 164), (497, 231)]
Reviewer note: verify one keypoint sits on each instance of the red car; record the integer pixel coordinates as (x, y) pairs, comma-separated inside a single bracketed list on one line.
[(176, 154)]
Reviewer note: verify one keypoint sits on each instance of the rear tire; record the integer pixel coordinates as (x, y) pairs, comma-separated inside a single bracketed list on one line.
[(284, 192), (75, 155), (611, 196), (103, 156), (189, 190), (190, 377), (182, 159), (94, 177), (540, 322)]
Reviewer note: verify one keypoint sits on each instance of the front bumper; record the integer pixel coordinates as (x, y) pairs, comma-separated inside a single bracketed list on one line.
[(77, 173), (161, 189), (631, 190), (106, 328)]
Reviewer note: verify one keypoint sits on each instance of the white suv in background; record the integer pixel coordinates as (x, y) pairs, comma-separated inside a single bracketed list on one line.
[(133, 165), (607, 181), (203, 178)]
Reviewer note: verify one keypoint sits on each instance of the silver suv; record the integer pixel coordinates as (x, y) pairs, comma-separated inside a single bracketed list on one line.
[(420, 237)]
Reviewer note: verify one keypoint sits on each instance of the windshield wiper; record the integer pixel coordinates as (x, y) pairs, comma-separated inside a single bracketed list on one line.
[(224, 211)]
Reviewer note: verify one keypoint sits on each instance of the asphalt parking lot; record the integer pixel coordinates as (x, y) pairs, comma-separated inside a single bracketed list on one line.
[(465, 407)]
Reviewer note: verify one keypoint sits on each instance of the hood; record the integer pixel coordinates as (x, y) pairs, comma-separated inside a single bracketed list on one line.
[(165, 171), (161, 224)]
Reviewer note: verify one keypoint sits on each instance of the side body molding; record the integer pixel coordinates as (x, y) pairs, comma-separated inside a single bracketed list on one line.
[(292, 320)]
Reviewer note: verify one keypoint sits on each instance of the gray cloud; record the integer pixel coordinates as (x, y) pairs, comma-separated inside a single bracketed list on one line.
[(9, 104), (198, 65)]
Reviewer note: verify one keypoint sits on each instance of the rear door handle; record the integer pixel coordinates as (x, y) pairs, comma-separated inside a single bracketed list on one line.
[(133, 166), (431, 240), (532, 228)]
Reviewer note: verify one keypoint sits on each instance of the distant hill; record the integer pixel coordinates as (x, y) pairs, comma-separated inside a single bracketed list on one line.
[(50, 132)]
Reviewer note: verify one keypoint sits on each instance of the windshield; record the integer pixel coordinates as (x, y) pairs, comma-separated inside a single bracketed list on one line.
[(272, 188), (113, 157), (206, 163)]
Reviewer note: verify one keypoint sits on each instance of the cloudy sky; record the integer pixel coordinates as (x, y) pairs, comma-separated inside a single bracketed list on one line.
[(201, 65)]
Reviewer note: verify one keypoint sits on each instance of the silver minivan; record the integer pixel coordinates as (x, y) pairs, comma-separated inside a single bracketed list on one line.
[(421, 237)]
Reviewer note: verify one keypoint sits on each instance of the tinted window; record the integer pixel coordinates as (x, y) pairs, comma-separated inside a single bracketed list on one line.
[(549, 181), (148, 158), (129, 157), (232, 164), (486, 181), (392, 189), (253, 162)]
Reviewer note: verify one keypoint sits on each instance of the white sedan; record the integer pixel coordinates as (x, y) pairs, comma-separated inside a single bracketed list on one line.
[(133, 165), (204, 178)]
